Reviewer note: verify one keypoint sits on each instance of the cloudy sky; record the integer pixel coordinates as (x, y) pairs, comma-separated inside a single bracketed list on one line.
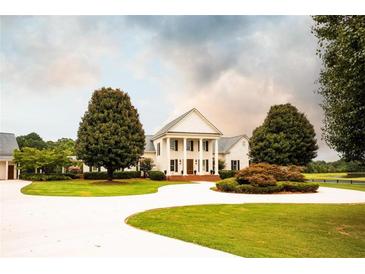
[(231, 68)]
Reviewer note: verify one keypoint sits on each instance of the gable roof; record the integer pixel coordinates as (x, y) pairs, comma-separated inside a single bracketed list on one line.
[(226, 143), (171, 124), (149, 144), (7, 144)]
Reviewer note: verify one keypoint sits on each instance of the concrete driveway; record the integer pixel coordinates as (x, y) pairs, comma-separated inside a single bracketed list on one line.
[(94, 226)]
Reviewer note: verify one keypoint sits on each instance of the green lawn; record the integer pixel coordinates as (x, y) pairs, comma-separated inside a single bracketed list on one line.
[(86, 188), (331, 176), (344, 186), (264, 230)]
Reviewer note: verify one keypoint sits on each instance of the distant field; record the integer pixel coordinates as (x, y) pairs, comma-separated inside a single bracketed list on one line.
[(331, 176)]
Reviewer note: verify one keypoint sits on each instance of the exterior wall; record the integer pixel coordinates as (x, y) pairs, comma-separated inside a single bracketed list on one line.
[(238, 152), (3, 170)]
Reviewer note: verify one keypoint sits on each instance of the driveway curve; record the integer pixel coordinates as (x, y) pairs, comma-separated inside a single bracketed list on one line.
[(35, 226)]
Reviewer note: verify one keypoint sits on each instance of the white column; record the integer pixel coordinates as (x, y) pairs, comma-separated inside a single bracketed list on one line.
[(185, 162), (201, 156), (211, 164), (216, 157), (6, 170), (168, 155)]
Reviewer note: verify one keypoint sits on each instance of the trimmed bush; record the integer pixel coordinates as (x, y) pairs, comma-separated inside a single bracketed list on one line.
[(95, 175), (127, 174), (44, 177), (227, 185), (157, 175), (262, 180), (224, 174), (117, 175), (250, 189), (299, 187), (279, 173), (295, 176)]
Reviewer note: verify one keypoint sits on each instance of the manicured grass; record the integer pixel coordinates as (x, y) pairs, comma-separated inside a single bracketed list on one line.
[(86, 188), (264, 230), (331, 176), (344, 186)]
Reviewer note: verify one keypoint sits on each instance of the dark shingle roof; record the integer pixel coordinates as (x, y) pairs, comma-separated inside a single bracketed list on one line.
[(149, 144), (225, 143), (7, 144)]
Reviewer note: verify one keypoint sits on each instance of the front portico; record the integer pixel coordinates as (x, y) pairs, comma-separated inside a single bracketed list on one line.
[(187, 146), (188, 154)]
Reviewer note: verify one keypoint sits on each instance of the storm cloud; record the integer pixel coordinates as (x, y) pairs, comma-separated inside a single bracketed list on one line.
[(232, 68)]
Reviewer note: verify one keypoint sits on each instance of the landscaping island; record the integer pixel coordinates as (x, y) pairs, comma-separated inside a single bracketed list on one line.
[(264, 230), (92, 188), (267, 179)]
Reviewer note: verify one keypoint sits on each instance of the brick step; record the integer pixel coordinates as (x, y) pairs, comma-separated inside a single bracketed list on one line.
[(209, 178)]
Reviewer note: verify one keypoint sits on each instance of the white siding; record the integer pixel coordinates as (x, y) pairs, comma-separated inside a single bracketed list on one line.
[(238, 152), (193, 123)]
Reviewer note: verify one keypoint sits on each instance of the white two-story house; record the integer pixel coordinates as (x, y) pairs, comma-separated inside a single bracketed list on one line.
[(191, 144)]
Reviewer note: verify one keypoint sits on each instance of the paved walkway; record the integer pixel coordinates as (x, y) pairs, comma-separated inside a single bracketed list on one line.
[(94, 226)]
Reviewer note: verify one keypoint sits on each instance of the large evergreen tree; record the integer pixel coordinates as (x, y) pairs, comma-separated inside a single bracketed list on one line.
[(286, 137), (110, 133), (342, 82)]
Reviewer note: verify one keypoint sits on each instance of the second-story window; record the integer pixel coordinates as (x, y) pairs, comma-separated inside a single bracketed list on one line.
[(174, 145), (190, 145), (206, 145)]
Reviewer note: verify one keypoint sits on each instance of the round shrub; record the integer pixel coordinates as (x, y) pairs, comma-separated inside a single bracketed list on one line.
[(279, 173), (262, 180), (295, 176), (157, 175), (224, 174), (250, 189), (227, 185)]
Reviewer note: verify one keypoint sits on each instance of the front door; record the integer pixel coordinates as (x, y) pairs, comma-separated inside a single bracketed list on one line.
[(10, 172), (190, 166)]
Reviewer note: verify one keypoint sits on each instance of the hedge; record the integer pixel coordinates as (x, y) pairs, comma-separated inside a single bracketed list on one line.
[(231, 185), (224, 174), (117, 175), (157, 175), (44, 177)]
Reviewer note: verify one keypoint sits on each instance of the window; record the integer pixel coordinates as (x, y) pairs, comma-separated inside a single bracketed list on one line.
[(174, 145), (206, 165), (206, 145), (235, 164), (190, 145), (158, 149), (173, 165)]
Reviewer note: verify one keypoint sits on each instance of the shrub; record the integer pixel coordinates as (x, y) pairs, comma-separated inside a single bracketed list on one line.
[(116, 175), (262, 180), (295, 176), (227, 185), (73, 175), (299, 187), (280, 173), (95, 175), (249, 189), (224, 174), (127, 174), (44, 177), (157, 175)]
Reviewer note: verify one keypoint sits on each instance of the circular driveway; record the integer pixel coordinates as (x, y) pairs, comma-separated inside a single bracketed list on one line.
[(94, 226)]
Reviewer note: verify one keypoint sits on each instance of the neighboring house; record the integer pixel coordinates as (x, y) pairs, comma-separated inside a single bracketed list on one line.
[(7, 166), (189, 145)]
